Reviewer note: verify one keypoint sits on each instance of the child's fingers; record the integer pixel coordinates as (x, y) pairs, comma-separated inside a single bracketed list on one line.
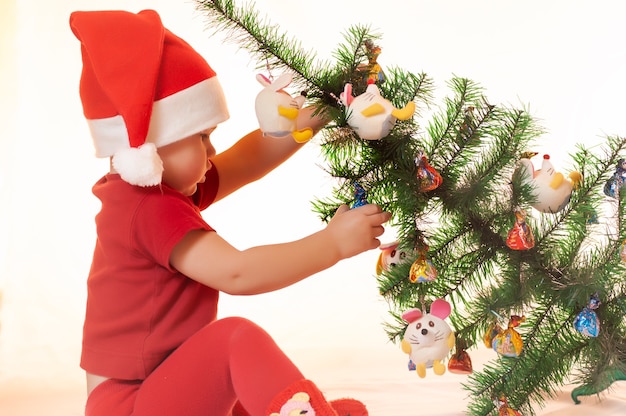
[(342, 208)]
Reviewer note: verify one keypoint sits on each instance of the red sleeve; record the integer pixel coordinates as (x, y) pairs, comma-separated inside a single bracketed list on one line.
[(161, 222)]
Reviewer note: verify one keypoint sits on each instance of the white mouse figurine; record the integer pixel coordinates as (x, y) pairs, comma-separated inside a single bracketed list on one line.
[(277, 111), (370, 115), (428, 339)]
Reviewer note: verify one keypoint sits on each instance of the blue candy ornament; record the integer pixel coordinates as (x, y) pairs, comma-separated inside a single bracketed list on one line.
[(587, 322), (360, 196), (614, 185)]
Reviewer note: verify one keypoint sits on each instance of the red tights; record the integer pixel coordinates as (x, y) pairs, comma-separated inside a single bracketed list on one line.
[(229, 360)]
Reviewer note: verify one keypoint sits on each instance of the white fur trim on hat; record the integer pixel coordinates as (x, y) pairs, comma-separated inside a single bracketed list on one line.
[(174, 118), (140, 166)]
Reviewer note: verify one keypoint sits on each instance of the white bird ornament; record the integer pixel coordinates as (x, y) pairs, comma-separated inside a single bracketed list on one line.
[(277, 111), (371, 115), (551, 189)]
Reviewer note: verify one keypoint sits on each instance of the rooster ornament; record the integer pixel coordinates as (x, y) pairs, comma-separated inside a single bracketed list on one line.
[(277, 111), (370, 115), (551, 189), (428, 339)]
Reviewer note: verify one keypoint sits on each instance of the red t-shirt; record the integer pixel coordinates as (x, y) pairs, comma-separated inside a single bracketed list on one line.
[(139, 309)]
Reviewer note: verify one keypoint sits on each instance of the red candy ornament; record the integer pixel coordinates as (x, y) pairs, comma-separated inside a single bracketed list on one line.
[(521, 236), (427, 176), (460, 363)]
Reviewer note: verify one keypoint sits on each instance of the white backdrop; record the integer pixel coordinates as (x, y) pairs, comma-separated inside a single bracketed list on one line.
[(563, 60)]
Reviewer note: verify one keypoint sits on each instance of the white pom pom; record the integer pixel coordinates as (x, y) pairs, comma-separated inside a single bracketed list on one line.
[(140, 166)]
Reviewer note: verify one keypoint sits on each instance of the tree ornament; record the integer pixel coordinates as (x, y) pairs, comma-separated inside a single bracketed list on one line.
[(277, 111), (427, 176), (622, 251), (422, 270), (475, 147), (502, 404), (615, 184), (370, 115), (607, 377), (460, 363), (587, 322), (360, 196), (551, 189), (428, 338), (374, 72), (509, 342), (390, 256), (520, 237), (492, 331), (468, 127)]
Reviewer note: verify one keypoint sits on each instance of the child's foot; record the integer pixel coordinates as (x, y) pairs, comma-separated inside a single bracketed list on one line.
[(349, 407), (305, 398)]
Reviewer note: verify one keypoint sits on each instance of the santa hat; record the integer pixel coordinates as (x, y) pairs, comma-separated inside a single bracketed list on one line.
[(142, 87)]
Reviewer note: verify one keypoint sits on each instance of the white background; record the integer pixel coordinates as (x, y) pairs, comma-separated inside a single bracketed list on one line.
[(562, 60)]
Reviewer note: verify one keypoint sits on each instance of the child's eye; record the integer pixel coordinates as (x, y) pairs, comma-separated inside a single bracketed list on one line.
[(204, 136)]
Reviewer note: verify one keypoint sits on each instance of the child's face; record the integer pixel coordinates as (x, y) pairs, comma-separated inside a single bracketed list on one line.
[(186, 161)]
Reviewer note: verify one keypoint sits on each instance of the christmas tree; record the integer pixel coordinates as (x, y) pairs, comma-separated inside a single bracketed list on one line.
[(529, 258)]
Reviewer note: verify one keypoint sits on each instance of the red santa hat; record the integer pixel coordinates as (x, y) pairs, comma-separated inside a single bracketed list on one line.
[(142, 87)]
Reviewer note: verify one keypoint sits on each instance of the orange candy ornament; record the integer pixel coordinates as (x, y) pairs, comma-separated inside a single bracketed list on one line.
[(502, 404), (422, 269), (509, 342)]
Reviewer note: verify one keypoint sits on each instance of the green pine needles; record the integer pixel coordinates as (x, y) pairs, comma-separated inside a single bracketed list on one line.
[(474, 145)]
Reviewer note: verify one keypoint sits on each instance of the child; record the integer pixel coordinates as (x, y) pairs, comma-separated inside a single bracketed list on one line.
[(151, 342)]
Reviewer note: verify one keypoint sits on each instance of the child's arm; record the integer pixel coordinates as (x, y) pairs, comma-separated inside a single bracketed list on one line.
[(254, 155), (207, 258)]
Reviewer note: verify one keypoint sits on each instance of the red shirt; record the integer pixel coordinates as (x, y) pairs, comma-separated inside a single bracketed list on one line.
[(139, 309)]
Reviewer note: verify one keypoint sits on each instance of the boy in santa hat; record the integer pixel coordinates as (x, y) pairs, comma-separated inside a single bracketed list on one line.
[(151, 342)]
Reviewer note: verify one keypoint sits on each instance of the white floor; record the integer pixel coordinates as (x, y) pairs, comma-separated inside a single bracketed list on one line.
[(377, 377)]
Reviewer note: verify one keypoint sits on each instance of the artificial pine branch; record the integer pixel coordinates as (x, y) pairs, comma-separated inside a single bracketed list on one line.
[(475, 146)]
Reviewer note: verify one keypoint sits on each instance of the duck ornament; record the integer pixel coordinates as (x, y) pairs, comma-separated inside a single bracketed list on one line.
[(370, 115), (277, 111), (552, 190)]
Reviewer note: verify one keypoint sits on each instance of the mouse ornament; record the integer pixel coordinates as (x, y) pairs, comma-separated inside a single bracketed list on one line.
[(587, 322), (277, 111), (370, 115), (390, 256), (428, 339), (551, 189), (509, 342)]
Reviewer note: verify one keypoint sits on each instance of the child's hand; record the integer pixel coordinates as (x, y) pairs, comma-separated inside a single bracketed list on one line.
[(353, 231)]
